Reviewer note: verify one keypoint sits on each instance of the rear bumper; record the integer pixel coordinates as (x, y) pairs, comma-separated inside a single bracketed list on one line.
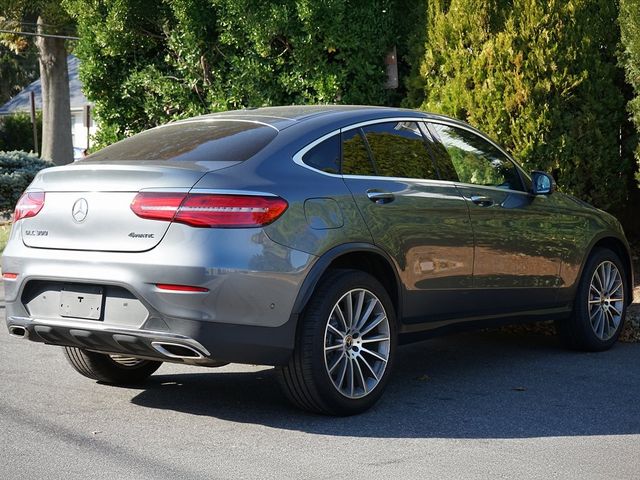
[(245, 317), (224, 343)]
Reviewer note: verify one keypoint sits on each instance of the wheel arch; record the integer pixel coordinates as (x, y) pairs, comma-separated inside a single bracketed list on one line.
[(358, 256), (621, 248)]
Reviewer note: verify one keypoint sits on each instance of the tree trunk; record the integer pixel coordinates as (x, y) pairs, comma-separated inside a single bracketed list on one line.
[(57, 144)]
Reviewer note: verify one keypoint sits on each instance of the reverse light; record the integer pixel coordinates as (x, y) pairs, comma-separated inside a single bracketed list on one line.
[(209, 210), (29, 205)]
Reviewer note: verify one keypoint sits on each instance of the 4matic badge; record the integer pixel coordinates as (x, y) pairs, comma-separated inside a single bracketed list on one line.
[(141, 235)]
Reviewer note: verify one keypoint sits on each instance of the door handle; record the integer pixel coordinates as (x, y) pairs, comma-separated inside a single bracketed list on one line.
[(481, 200), (376, 196)]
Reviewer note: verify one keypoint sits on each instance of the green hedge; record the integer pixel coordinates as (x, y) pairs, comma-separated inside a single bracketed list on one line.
[(146, 62), (17, 170), (16, 132)]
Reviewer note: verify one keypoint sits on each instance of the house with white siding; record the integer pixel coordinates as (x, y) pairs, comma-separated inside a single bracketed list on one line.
[(78, 102)]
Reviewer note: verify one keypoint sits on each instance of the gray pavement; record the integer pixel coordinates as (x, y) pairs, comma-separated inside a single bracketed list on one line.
[(483, 405)]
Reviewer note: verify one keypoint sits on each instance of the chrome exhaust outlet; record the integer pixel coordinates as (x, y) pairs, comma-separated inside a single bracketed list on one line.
[(177, 350), (18, 331)]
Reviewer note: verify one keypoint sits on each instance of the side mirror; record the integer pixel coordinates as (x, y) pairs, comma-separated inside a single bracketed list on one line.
[(543, 183)]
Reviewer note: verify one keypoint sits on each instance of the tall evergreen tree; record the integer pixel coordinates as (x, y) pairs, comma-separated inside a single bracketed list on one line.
[(630, 29), (541, 78)]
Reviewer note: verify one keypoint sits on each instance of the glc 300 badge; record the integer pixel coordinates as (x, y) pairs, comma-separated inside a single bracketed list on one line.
[(80, 210)]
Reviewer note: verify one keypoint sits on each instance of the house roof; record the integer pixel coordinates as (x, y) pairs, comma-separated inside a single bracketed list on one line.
[(20, 102)]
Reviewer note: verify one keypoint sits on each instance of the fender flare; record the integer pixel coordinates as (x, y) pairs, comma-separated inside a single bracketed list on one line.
[(322, 264), (602, 235)]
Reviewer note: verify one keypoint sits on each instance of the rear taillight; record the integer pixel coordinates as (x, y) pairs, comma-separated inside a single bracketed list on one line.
[(157, 206), (29, 205), (209, 210)]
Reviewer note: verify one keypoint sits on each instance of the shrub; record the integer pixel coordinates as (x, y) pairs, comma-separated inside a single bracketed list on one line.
[(17, 170), (146, 62), (539, 77), (630, 58), (16, 132)]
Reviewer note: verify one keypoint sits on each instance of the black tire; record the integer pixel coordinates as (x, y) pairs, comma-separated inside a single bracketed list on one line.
[(577, 331), (105, 368), (306, 379)]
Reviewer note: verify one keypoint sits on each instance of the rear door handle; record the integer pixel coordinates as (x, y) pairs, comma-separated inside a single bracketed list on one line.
[(379, 197), (482, 200)]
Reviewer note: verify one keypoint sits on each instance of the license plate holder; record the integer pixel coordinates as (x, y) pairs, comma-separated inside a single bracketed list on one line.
[(81, 302)]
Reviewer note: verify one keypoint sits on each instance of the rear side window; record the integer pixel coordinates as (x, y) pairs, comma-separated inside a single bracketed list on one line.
[(399, 150), (199, 141), (355, 156), (325, 156), (441, 159)]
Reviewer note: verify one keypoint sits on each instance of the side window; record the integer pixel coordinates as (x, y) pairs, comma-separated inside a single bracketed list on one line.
[(440, 157), (398, 150), (355, 156), (477, 161), (325, 156)]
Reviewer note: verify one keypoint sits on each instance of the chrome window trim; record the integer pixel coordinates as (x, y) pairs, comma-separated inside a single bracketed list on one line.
[(297, 157)]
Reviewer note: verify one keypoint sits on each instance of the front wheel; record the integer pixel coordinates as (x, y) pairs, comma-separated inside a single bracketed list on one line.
[(345, 346), (600, 305), (115, 369)]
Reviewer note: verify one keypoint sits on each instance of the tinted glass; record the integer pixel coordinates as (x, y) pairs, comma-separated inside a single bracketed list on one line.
[(192, 142), (325, 156), (398, 150), (355, 156), (441, 159), (477, 161)]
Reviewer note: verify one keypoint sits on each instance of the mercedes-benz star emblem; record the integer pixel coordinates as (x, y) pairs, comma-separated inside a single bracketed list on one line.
[(80, 210)]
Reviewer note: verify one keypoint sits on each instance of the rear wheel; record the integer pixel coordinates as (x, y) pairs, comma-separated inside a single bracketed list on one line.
[(345, 346), (115, 369), (600, 305)]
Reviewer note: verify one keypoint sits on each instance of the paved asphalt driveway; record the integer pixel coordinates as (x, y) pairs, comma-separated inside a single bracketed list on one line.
[(469, 406)]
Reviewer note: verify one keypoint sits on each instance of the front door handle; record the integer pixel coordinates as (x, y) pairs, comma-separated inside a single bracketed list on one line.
[(482, 200), (376, 196)]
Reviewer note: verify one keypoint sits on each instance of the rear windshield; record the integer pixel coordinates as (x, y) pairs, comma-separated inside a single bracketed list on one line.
[(206, 141)]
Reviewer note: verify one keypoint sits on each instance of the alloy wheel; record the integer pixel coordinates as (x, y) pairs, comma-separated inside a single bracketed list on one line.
[(606, 300), (357, 343)]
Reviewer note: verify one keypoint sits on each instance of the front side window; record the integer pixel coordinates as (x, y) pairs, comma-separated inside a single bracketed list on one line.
[(477, 161), (398, 150)]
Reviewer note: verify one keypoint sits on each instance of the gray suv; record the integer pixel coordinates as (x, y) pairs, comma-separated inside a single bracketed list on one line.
[(309, 238)]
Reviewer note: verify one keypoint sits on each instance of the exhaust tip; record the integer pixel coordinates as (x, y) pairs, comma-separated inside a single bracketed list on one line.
[(18, 331), (175, 350)]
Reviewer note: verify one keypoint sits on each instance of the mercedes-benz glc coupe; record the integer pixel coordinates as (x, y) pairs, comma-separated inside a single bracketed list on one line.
[(314, 239)]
